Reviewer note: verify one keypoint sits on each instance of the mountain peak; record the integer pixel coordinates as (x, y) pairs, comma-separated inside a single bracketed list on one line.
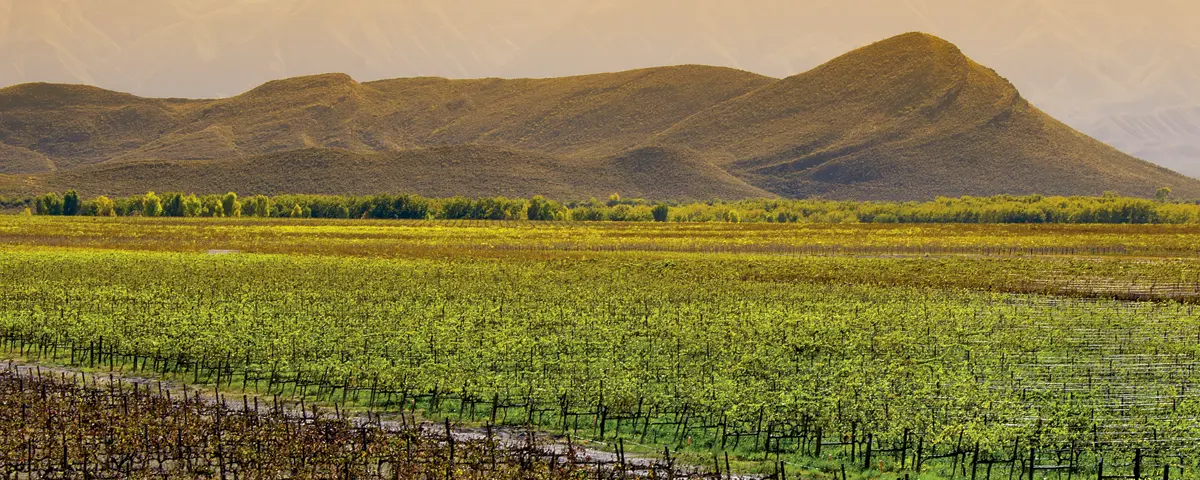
[(907, 48), (906, 111), (918, 39), (911, 72), (896, 56), (338, 81)]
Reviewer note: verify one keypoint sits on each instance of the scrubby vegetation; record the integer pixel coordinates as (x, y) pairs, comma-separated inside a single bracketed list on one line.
[(998, 209)]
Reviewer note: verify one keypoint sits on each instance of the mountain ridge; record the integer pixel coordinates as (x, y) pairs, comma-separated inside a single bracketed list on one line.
[(909, 117), (1101, 69)]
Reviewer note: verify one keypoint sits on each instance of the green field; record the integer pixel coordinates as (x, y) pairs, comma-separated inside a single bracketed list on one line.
[(958, 350)]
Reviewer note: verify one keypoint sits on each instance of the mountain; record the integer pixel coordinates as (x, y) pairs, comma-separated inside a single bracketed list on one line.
[(605, 113), (1120, 71), (905, 115), (910, 117)]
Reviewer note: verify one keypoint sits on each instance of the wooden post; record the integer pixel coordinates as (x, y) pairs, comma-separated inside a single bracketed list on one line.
[(974, 460), (920, 449), (1032, 461), (621, 456), (867, 452), (817, 447), (450, 442), (670, 463)]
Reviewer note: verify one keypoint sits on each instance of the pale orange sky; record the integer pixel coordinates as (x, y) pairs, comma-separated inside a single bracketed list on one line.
[(1125, 71)]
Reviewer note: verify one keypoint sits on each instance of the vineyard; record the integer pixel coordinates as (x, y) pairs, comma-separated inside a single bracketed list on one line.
[(786, 351), (55, 427)]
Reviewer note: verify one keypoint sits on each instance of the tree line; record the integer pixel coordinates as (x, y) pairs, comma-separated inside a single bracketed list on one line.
[(1108, 208)]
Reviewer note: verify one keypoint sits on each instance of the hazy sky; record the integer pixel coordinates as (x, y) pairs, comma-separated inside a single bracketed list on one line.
[(1125, 71)]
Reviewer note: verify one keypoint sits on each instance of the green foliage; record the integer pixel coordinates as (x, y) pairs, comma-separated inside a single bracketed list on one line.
[(102, 206), (7, 202), (897, 347), (588, 214), (151, 205), (661, 212), (627, 213), (259, 206), (498, 208), (49, 204), (1162, 195), (997, 209), (541, 209), (399, 206), (614, 199), (230, 206), (191, 206), (71, 203), (210, 206), (172, 205)]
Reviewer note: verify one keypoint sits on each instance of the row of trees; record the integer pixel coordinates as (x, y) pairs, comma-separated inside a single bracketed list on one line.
[(329, 206), (153, 205), (1109, 208)]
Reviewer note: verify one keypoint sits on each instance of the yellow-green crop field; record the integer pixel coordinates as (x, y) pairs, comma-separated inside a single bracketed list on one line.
[(951, 351)]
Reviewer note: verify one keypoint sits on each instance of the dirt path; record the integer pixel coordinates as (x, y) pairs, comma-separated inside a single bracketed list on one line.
[(388, 421)]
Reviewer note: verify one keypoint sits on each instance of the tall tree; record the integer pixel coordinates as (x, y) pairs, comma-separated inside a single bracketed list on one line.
[(1163, 194), (660, 212), (71, 203), (151, 205), (541, 209), (172, 205), (52, 204), (104, 207), (230, 205), (192, 206), (262, 206)]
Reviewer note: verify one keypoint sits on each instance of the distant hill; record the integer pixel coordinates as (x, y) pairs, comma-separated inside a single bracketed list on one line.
[(910, 117), (466, 170)]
